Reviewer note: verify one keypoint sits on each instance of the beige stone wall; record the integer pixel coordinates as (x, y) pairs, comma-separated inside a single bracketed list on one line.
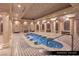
[(19, 26), (76, 36)]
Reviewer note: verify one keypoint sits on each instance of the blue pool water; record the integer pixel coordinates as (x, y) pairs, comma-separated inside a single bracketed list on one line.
[(43, 40)]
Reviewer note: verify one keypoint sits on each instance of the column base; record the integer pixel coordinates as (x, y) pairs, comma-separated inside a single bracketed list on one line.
[(2, 46)]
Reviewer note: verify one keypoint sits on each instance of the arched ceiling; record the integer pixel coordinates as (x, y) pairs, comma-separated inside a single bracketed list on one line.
[(35, 10)]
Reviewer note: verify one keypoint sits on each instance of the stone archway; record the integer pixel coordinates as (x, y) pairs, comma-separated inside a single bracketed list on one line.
[(37, 27), (67, 26), (57, 27), (48, 27), (43, 27)]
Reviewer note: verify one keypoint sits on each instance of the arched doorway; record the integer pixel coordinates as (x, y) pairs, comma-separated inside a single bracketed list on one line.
[(48, 27), (32, 27), (25, 27), (17, 27), (67, 26), (57, 27), (37, 27), (43, 27)]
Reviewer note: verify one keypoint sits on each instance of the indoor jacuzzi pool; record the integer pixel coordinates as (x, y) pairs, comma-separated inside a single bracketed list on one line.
[(41, 40)]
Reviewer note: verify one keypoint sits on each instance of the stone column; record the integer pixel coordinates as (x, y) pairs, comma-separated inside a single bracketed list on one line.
[(21, 27), (45, 28), (72, 25), (0, 27), (72, 31), (35, 28), (39, 27), (6, 31), (10, 28), (54, 28), (61, 26)]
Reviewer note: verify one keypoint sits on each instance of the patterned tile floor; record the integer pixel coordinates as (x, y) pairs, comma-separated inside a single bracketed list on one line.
[(21, 48), (6, 51)]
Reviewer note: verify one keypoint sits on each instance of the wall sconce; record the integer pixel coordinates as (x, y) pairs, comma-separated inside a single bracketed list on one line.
[(0, 15), (25, 23), (16, 22), (38, 22), (67, 19), (19, 6), (48, 22), (56, 21), (31, 23), (43, 21), (53, 19), (1, 21)]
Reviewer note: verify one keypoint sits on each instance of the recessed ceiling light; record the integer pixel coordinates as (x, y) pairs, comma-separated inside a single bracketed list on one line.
[(19, 6)]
